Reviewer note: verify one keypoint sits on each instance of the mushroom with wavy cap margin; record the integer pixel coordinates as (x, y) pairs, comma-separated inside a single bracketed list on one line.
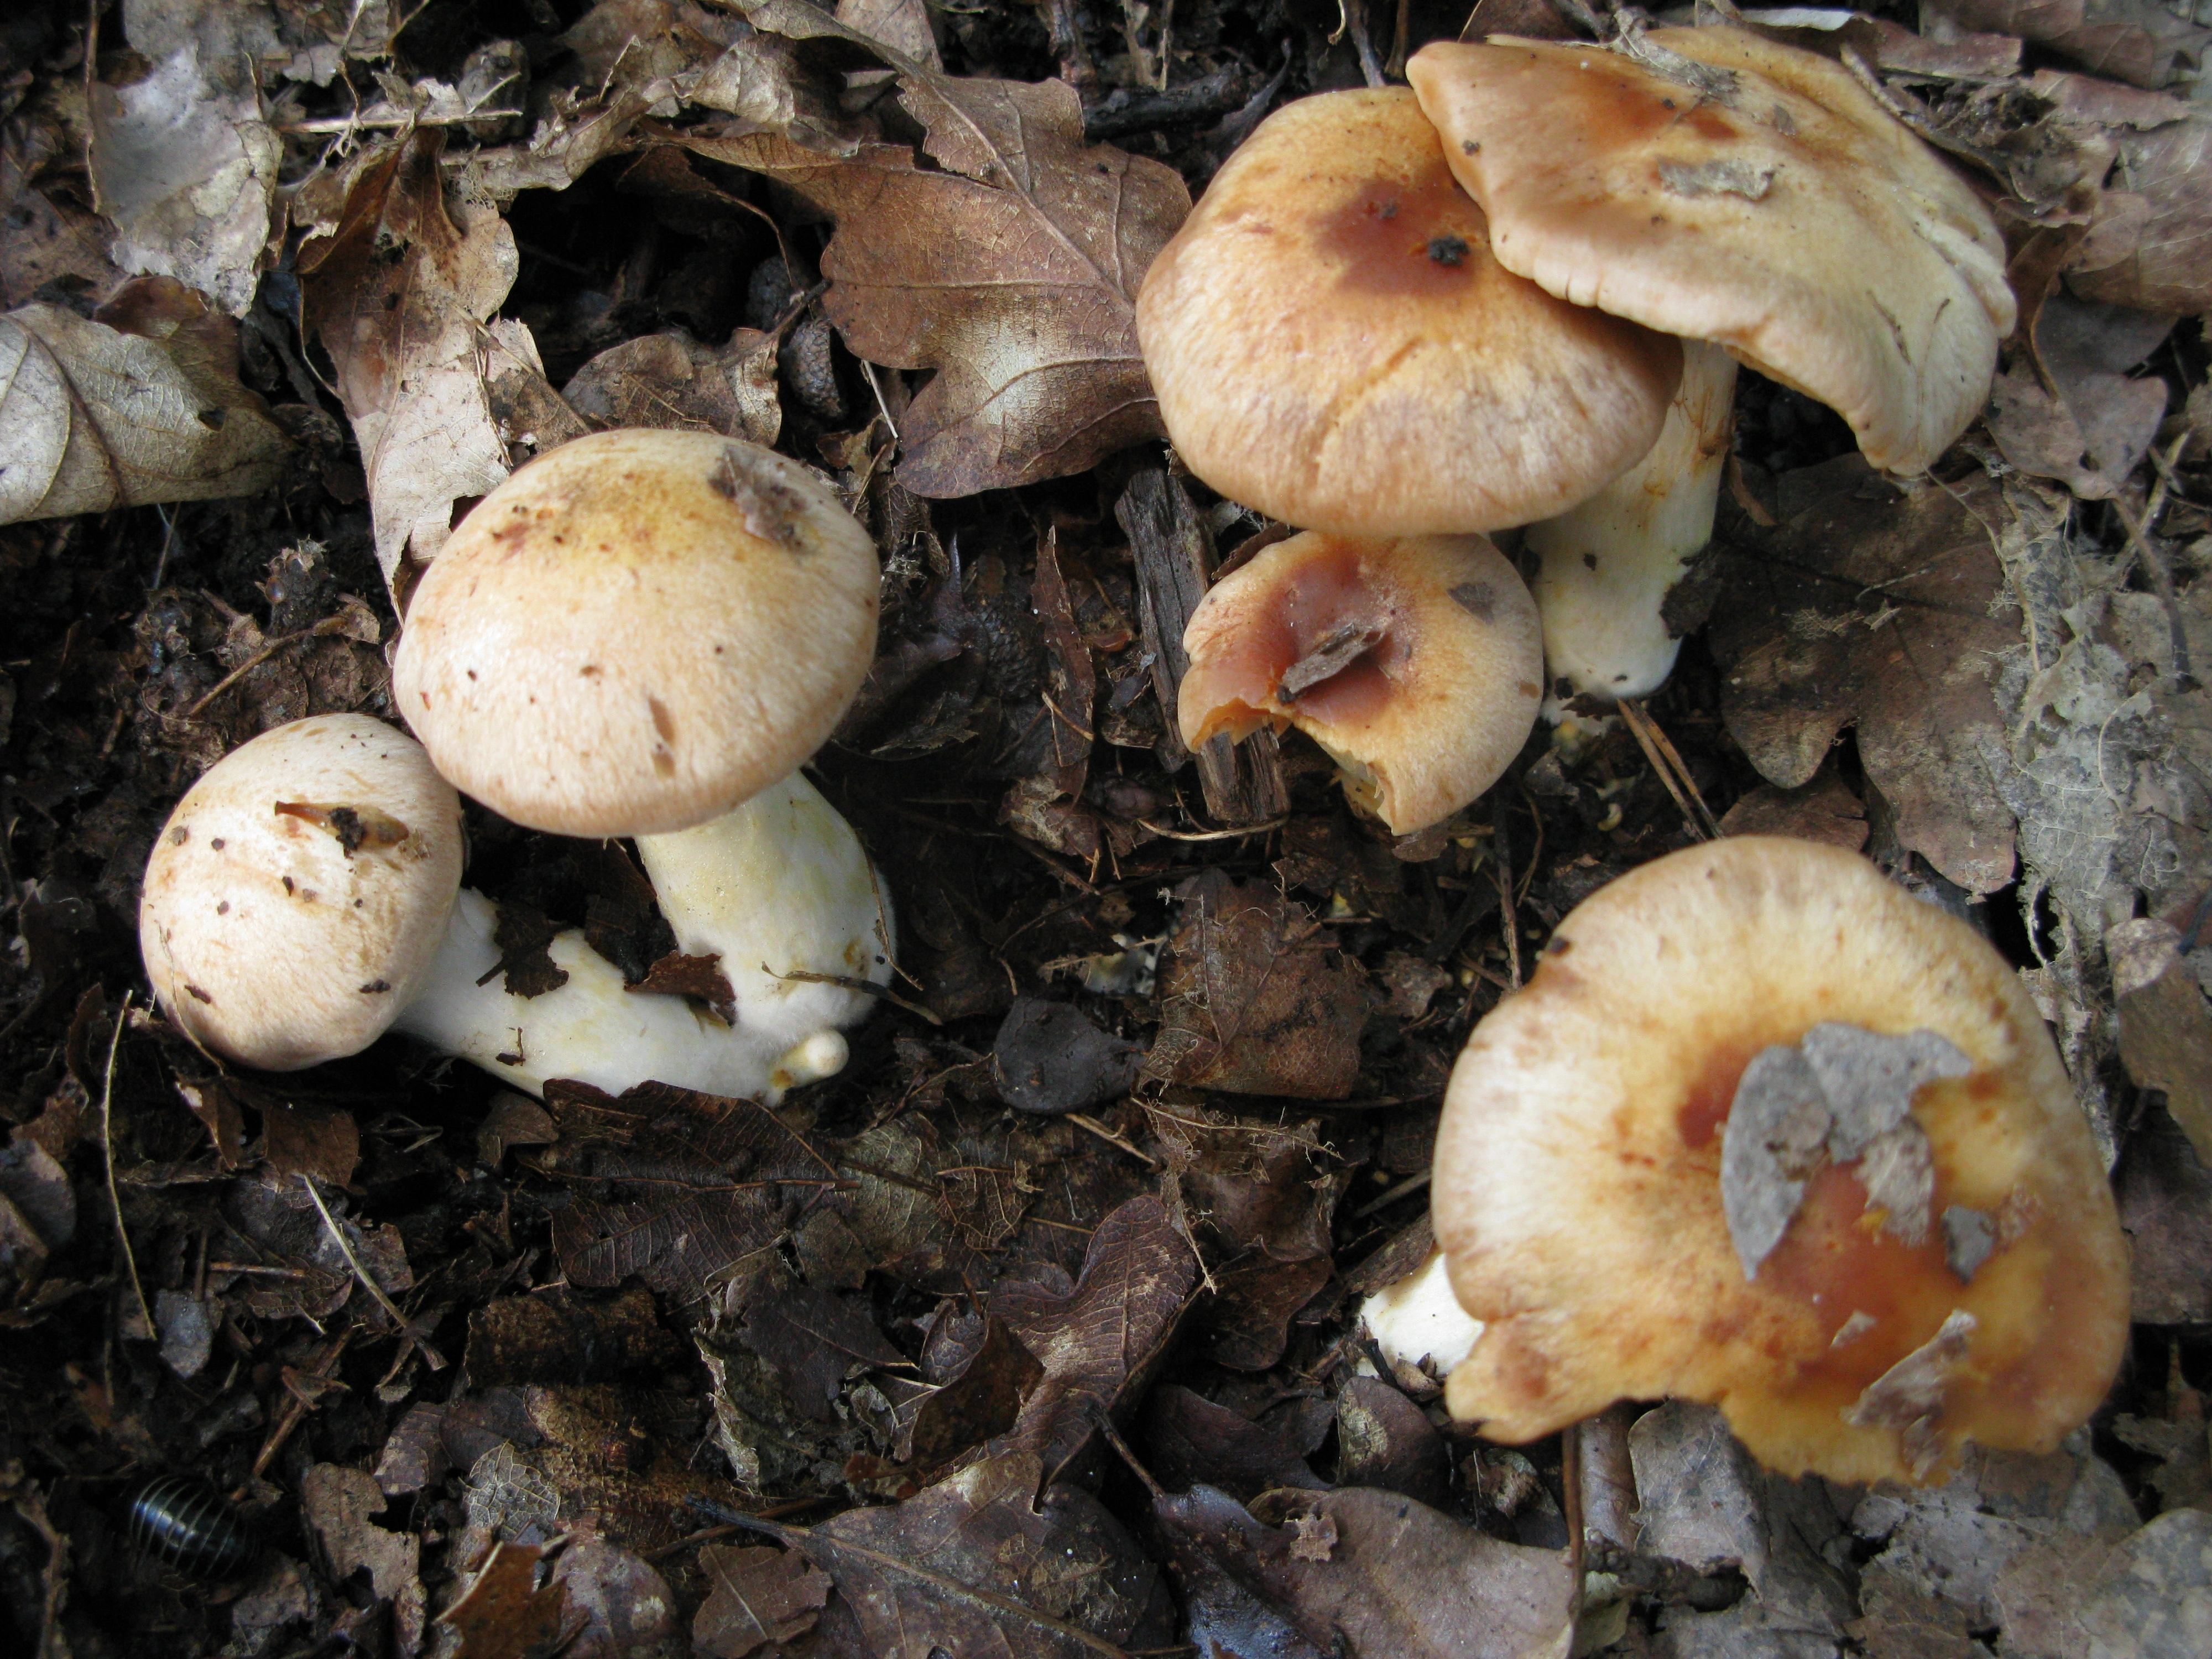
[(1765, 1132)]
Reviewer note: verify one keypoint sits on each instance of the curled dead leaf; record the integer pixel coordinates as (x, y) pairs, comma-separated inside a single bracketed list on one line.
[(1011, 268), (97, 414)]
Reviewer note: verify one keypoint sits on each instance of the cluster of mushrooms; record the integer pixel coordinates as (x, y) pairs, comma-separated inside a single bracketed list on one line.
[(640, 634), (1515, 295), (1763, 1130)]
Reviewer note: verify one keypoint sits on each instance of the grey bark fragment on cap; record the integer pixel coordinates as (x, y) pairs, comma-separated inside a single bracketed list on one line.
[(1842, 1094)]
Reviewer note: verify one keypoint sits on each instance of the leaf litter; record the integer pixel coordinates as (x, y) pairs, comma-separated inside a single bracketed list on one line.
[(288, 286)]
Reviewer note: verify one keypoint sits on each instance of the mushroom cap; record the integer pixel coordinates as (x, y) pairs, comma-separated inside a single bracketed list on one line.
[(296, 896), (1578, 1186), (1418, 664), (1332, 342), (1785, 215), (636, 631)]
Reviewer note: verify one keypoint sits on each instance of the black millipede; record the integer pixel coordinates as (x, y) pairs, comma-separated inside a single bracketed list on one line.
[(183, 1522)]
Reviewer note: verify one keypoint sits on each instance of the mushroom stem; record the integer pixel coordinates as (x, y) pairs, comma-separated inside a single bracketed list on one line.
[(1607, 564), (777, 886), (1417, 1320)]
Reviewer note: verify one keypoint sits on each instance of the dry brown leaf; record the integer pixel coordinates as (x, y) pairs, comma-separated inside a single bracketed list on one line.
[(981, 1567), (1011, 268), (1870, 606), (758, 1595), (620, 1607), (1372, 1572), (982, 1400), (1213, 1547), (1255, 998), (2151, 245), (2132, 41), (813, 1340), (901, 25), (140, 404), (2080, 419), (1096, 1343), (671, 381), (184, 164), (677, 1185), (50, 237), (1824, 810), (2165, 1025), (500, 1615), (338, 1503), (401, 296), (1189, 1440), (322, 1141), (2166, 1206)]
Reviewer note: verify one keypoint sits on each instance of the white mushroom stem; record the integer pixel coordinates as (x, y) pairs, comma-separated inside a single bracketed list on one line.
[(1607, 564), (779, 886), (1417, 1323)]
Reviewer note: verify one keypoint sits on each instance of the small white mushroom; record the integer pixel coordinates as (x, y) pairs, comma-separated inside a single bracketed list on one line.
[(304, 897)]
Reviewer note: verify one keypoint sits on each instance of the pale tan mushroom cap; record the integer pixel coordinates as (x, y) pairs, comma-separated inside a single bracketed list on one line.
[(1791, 218), (299, 891), (1331, 344), (637, 631), (1417, 663), (1577, 1185)]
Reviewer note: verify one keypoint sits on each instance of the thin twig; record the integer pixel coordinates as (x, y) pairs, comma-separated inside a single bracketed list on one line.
[(846, 983), (294, 1413), (1082, 1120), (1371, 68), (1696, 818), (1508, 907), (1641, 722), (1405, 1189), (2161, 580), (328, 625), (1214, 834), (107, 1146), (431, 1357)]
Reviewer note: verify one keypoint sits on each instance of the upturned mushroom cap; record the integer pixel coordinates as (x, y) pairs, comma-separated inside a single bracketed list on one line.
[(1611, 1158), (1761, 199), (637, 631), (1417, 663), (299, 891), (1332, 342)]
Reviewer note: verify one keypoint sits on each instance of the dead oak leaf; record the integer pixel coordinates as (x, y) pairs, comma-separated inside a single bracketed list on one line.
[(1094, 1342), (756, 1596), (1870, 606), (674, 1185), (981, 1567), (1011, 267), (1255, 998), (1361, 1570)]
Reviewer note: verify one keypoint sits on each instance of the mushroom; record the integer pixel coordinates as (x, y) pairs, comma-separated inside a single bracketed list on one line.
[(644, 633), (1416, 1324), (636, 631), (304, 898), (295, 899), (1332, 342), (1712, 185), (1416, 664), (1767, 1132)]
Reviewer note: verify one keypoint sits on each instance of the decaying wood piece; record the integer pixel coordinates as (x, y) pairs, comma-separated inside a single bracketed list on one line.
[(1174, 556)]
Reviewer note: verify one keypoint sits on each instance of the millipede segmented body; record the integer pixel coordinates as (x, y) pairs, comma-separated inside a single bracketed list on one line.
[(183, 1522)]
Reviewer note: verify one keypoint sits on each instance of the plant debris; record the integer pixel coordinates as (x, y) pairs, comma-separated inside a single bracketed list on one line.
[(1034, 1329)]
